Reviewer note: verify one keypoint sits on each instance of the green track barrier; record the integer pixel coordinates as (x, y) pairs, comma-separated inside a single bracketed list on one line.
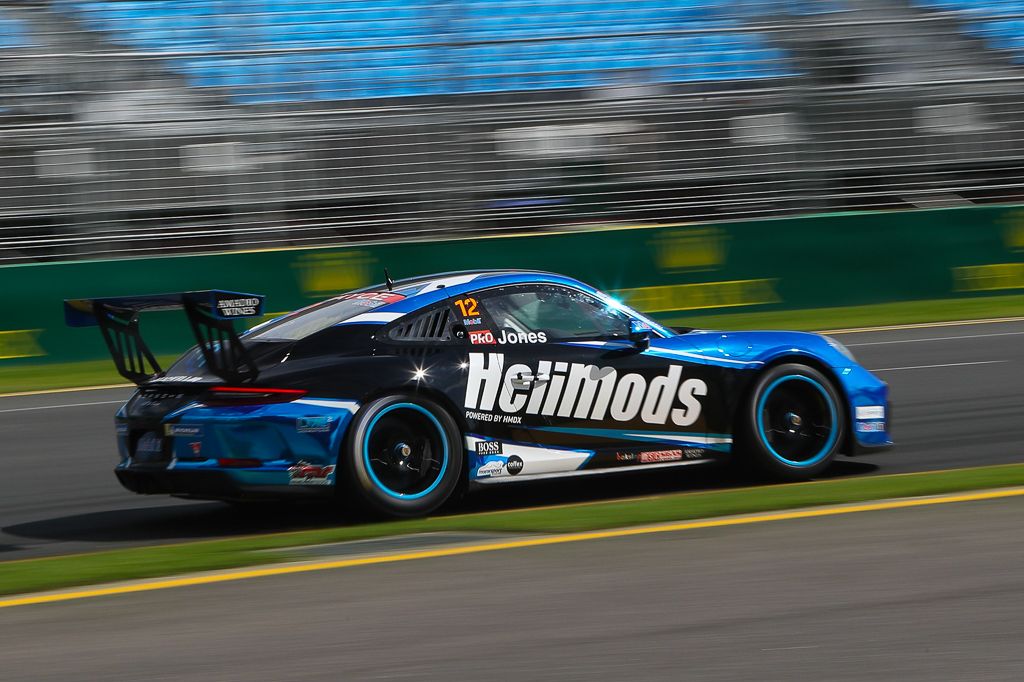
[(672, 271)]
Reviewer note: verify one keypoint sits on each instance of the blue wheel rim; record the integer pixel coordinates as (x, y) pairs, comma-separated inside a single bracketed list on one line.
[(367, 464), (833, 434)]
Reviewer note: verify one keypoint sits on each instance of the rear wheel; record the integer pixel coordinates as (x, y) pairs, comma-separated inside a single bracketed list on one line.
[(402, 457), (793, 423)]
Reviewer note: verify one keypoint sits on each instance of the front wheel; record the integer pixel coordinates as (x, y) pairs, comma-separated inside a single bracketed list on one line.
[(402, 457), (792, 425)]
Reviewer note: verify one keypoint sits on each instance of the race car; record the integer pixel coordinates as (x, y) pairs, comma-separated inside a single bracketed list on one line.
[(397, 396)]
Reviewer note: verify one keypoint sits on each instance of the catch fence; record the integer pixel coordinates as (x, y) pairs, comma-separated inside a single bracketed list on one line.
[(135, 127)]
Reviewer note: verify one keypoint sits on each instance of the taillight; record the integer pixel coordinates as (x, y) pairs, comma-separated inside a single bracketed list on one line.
[(248, 395), (239, 462)]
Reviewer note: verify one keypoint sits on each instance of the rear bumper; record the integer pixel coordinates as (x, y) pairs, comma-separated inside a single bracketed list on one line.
[(209, 484)]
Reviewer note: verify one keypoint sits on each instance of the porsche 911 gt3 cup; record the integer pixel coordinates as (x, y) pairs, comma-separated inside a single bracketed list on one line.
[(396, 396)]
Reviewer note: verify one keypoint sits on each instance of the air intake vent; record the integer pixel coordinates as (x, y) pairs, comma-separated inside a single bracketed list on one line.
[(432, 326)]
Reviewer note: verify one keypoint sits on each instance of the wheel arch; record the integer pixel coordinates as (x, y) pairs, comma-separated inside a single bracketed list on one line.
[(846, 444), (352, 487), (417, 390)]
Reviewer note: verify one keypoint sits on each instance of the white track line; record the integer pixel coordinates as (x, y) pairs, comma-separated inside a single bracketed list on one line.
[(933, 338), (57, 407), (921, 325), (951, 364)]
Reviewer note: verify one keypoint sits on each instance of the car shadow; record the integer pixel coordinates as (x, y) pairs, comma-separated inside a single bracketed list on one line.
[(206, 520), (192, 521)]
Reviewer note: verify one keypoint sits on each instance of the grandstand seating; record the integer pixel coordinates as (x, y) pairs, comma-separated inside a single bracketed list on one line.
[(1000, 23), (408, 49)]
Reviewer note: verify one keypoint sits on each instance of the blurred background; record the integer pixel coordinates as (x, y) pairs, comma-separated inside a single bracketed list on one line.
[(694, 157), (140, 127), (724, 164)]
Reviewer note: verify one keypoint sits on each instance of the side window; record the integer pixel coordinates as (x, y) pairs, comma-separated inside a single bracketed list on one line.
[(559, 314), (432, 326)]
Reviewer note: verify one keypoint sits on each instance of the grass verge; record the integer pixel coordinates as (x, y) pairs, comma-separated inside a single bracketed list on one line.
[(38, 377), (35, 575), (848, 317), (42, 377)]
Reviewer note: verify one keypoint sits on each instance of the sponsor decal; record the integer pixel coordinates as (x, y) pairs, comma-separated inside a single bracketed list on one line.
[(870, 412), (151, 396), (238, 307), (479, 337), (149, 442), (581, 391), (304, 473), (660, 456), (327, 274), (471, 321), (492, 468), (700, 295), (372, 299), (870, 427), (177, 379), (514, 465), (488, 447), (185, 430), (469, 307), (701, 248), (493, 418), (197, 447), (20, 343), (507, 336), (313, 424), (995, 277)]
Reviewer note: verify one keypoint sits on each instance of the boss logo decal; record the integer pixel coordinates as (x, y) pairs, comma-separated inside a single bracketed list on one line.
[(488, 447)]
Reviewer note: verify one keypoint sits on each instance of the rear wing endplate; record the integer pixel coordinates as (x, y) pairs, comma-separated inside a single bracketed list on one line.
[(210, 315)]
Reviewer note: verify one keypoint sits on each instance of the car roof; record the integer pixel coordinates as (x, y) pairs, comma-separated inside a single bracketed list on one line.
[(423, 291)]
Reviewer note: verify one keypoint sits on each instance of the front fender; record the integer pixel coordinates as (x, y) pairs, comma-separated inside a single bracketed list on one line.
[(866, 396)]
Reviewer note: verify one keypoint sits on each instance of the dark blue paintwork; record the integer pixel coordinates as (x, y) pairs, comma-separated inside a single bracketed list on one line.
[(312, 430)]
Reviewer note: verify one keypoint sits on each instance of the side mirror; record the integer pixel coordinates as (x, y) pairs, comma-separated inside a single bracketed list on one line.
[(640, 334)]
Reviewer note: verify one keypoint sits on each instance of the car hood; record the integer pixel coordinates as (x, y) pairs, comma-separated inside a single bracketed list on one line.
[(759, 346)]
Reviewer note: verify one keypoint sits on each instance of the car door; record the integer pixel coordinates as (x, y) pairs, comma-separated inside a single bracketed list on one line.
[(560, 363), (495, 374)]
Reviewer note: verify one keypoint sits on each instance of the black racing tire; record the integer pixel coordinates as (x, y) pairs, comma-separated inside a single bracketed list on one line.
[(402, 457), (791, 425)]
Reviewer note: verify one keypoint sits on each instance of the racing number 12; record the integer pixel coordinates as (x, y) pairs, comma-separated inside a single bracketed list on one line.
[(467, 306)]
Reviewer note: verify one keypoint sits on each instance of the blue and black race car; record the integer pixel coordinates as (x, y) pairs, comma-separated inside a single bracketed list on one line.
[(395, 396)]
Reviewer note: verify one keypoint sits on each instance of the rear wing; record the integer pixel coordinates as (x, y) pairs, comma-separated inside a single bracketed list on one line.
[(209, 313)]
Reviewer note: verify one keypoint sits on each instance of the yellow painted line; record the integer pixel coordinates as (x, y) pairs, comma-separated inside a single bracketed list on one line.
[(922, 325), (65, 390), (268, 571)]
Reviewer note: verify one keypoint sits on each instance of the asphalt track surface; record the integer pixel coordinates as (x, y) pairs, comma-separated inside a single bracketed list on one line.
[(913, 594), (957, 390)]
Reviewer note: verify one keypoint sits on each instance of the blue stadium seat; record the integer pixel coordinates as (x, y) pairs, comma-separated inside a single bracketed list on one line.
[(984, 19), (465, 60), (14, 34)]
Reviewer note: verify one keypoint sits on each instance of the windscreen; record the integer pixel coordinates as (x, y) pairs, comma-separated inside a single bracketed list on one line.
[(308, 321)]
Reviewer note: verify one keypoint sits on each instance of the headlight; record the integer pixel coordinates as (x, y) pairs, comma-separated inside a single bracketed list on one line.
[(841, 348)]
